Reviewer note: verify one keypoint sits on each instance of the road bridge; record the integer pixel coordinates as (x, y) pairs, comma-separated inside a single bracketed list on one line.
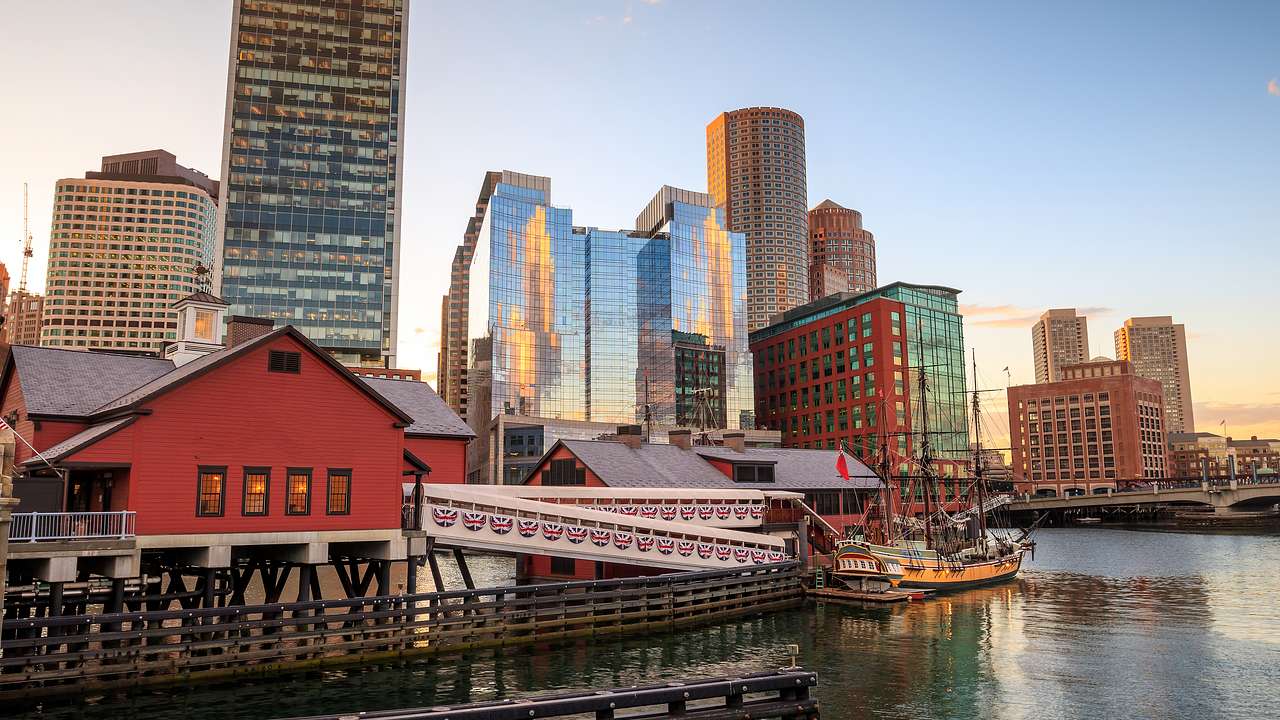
[(1220, 496), (503, 519)]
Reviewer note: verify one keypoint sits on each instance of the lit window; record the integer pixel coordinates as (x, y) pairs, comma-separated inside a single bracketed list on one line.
[(298, 500), (339, 492), (204, 325), (211, 489), (256, 483)]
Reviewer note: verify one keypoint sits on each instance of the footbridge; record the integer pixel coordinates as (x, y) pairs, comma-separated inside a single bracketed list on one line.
[(1219, 496), (660, 527)]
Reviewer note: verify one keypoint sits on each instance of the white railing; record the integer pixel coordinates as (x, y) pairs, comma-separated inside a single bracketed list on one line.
[(37, 526)]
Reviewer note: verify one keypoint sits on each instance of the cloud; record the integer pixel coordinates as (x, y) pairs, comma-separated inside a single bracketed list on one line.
[(1012, 316), (1094, 311), (1245, 415), (1273, 87)]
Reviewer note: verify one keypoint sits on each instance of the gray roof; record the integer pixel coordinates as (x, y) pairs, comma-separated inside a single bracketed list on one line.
[(800, 468), (75, 382), (82, 439), (670, 466), (431, 416)]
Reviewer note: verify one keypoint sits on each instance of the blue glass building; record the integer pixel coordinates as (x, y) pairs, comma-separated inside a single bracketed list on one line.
[(580, 323), (309, 232)]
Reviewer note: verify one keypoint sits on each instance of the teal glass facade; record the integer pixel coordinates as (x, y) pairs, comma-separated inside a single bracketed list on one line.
[(580, 323), (311, 168)]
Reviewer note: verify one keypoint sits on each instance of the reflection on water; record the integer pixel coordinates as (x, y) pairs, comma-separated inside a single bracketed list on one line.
[(1103, 623)]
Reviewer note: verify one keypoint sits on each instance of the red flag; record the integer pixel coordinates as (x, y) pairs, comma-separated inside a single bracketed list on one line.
[(842, 466)]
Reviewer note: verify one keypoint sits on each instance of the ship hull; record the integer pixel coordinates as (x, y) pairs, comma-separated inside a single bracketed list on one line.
[(925, 570)]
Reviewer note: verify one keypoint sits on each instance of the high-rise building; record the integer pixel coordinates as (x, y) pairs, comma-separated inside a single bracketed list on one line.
[(580, 323), (127, 242), (843, 368), (1058, 339), (451, 363), (23, 315), (1099, 425), (4, 291), (312, 168), (1158, 350), (837, 240), (756, 173)]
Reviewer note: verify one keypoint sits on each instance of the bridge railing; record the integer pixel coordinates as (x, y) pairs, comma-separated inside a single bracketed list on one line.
[(38, 526)]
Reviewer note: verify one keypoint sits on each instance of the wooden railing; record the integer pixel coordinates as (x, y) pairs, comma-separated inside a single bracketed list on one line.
[(782, 694), (67, 654)]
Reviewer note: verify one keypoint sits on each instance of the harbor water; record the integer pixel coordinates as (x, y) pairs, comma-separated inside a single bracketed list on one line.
[(1102, 623)]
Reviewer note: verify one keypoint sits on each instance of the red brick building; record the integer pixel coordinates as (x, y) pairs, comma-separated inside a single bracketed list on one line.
[(1099, 427)]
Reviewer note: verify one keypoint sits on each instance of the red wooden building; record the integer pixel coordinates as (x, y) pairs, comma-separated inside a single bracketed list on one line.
[(267, 449)]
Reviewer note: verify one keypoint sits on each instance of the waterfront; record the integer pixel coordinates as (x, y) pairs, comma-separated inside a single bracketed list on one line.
[(1103, 623)]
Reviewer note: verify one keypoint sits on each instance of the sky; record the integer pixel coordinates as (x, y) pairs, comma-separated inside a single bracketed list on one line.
[(1119, 157)]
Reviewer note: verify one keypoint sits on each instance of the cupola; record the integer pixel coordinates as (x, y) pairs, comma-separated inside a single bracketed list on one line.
[(200, 327)]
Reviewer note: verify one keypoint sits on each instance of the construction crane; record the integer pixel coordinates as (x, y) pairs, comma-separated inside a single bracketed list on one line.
[(26, 241)]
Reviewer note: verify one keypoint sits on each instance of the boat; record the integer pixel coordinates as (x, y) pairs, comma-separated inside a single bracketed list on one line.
[(938, 551), (1088, 520), (858, 569)]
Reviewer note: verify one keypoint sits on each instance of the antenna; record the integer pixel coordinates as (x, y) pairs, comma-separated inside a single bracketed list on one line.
[(26, 240)]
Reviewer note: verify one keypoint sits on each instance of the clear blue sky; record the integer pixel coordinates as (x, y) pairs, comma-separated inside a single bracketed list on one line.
[(1123, 157)]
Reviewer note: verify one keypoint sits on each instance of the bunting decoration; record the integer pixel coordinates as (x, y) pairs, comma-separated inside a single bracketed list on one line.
[(473, 521), (576, 534), (722, 552), (552, 531), (648, 511), (666, 545), (722, 512), (705, 550), (444, 517), (685, 548), (644, 543), (669, 512), (687, 512), (600, 537), (527, 528), (622, 540), (500, 524)]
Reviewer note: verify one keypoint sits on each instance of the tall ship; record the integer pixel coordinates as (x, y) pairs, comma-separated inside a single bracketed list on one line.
[(937, 550)]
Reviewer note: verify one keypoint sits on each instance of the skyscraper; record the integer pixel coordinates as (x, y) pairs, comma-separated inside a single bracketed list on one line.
[(580, 323), (144, 228), (837, 240), (756, 173), (1058, 339), (311, 168), (1158, 350), (22, 318)]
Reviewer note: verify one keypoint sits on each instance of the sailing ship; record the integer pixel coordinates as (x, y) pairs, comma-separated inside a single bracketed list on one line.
[(938, 551)]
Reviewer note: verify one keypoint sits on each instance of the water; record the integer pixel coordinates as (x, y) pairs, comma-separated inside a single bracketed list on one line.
[(1102, 624)]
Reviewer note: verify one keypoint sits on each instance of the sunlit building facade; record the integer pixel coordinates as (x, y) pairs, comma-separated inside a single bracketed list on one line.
[(127, 242), (1157, 347), (838, 242), (580, 323), (312, 166)]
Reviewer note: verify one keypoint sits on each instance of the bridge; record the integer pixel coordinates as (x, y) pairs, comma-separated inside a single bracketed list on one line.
[(709, 529), (1220, 496)]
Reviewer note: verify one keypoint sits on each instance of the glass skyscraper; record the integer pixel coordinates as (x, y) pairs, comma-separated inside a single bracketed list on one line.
[(310, 205), (579, 323)]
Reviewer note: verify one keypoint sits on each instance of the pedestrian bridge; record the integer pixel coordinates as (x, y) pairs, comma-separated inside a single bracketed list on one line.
[(1225, 495), (572, 523)]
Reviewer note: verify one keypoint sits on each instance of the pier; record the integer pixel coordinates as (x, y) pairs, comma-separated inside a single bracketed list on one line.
[(783, 694)]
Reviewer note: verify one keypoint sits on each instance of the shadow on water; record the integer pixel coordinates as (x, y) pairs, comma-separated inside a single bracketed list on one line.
[(1104, 623)]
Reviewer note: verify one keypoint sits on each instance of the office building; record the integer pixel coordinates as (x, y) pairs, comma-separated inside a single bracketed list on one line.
[(1100, 426), (843, 368), (580, 323), (312, 168), (23, 315), (127, 242), (1158, 350), (756, 174), (1058, 339), (838, 241), (452, 363)]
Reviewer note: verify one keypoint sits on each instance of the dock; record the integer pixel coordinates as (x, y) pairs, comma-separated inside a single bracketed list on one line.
[(856, 596)]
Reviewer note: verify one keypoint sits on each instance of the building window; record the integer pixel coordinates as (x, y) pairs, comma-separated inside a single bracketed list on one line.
[(339, 493), (211, 489), (564, 472), (283, 361), (257, 481), (563, 565), (298, 497), (204, 325), (746, 473)]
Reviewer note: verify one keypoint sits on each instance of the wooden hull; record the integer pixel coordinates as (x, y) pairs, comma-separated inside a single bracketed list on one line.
[(920, 573)]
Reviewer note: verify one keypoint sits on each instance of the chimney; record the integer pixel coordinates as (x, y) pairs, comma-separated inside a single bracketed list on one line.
[(242, 328), (735, 441), (629, 435), (682, 439)]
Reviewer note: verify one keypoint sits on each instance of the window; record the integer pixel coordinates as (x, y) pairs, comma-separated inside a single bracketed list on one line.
[(339, 493), (283, 361), (298, 497), (564, 472), (257, 480), (563, 565), (746, 473), (204, 325), (211, 488)]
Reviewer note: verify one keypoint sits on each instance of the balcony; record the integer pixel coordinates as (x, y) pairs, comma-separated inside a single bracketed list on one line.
[(43, 527)]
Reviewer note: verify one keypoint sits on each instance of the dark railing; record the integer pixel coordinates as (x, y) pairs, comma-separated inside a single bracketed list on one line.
[(61, 654), (781, 694)]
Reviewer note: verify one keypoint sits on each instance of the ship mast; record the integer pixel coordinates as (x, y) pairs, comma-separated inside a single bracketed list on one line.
[(979, 481), (926, 451)]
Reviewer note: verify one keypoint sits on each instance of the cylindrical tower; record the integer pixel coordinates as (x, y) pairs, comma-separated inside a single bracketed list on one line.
[(756, 172), (838, 242)]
